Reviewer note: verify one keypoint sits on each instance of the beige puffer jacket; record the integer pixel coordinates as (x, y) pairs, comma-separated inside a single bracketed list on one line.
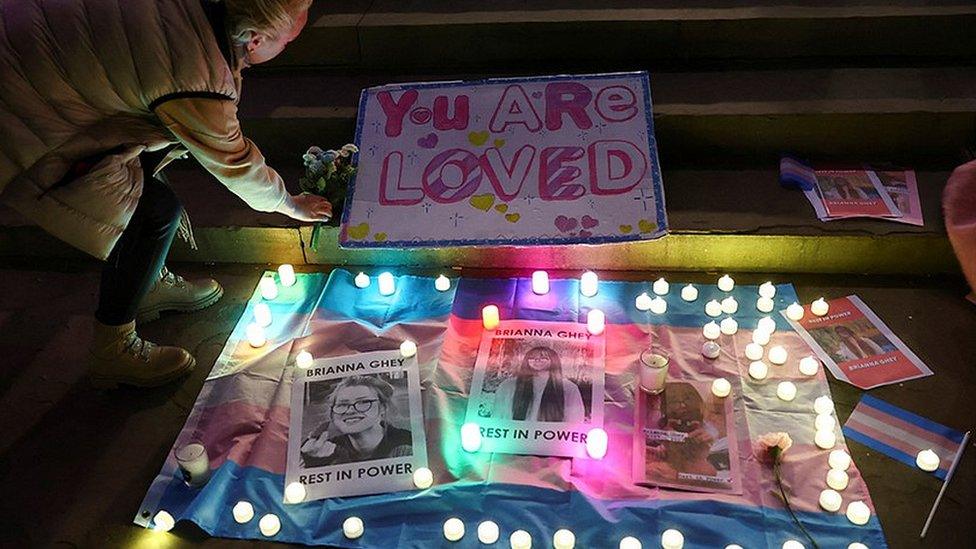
[(82, 77)]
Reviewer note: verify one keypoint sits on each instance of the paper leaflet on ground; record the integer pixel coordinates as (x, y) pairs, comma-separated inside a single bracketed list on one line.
[(902, 187), (857, 347), (685, 438), (356, 425), (537, 388)]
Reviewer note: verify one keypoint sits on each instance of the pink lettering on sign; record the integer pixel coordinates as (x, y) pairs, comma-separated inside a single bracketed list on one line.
[(507, 179), (514, 108), (452, 176), (457, 122), (616, 103), (567, 98), (395, 110), (557, 176), (616, 167), (393, 191)]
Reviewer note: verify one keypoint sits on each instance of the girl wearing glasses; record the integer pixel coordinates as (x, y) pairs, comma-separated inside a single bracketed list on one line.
[(358, 429), (539, 392)]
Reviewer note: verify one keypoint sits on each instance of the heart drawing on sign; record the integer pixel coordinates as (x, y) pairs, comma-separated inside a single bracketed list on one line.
[(588, 222), (379, 237), (358, 232), (501, 208), (646, 226), (512, 217), (499, 143), (429, 141), (482, 202), (565, 224), (478, 138), (626, 229), (585, 234)]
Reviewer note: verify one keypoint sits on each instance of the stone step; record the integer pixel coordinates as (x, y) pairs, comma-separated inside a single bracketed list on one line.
[(916, 116), (721, 220), (624, 34)]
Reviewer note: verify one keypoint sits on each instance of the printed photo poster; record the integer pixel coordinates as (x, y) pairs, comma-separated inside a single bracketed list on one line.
[(857, 347), (537, 388), (685, 439), (853, 193), (902, 188), (517, 161), (356, 425)]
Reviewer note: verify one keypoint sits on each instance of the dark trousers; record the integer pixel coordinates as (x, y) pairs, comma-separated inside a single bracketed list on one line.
[(136, 260)]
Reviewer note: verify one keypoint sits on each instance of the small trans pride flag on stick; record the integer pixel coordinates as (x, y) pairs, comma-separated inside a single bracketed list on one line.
[(901, 434)]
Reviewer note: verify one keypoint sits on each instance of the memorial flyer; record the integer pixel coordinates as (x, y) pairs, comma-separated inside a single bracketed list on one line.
[(537, 388), (356, 425), (857, 347), (684, 438)]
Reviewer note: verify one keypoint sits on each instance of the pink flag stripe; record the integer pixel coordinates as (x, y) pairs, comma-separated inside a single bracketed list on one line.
[(890, 439), (893, 423)]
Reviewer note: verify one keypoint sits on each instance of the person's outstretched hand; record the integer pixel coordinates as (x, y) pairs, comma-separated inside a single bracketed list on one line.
[(306, 207)]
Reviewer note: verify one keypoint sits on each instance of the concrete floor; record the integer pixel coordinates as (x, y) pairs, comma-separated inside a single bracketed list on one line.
[(75, 462)]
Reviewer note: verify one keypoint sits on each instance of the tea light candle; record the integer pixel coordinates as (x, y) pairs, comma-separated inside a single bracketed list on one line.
[(643, 302), (661, 286), (361, 281), (453, 529), (353, 527), (711, 350), (488, 532), (726, 283), (765, 305), (825, 439), (823, 405), (269, 525), (778, 355), (423, 478), (672, 539), (540, 283), (766, 324), (659, 306), (441, 283), (596, 321), (729, 326), (767, 290), (295, 492), (286, 274), (630, 542), (520, 539), (713, 308), (386, 283), (758, 370), (730, 305), (262, 315), (760, 337), (809, 366), (243, 512), (489, 317), (786, 391), (470, 437), (194, 462), (839, 459), (408, 349), (825, 422), (564, 539), (711, 330), (819, 307), (830, 500), (733, 546), (269, 288), (792, 544), (597, 443), (589, 283), (837, 479), (163, 521), (857, 545), (721, 387), (304, 359), (255, 335), (794, 311), (858, 513), (927, 460), (754, 351), (689, 293)]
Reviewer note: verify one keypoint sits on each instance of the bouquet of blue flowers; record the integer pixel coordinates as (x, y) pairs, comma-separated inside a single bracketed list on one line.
[(327, 174)]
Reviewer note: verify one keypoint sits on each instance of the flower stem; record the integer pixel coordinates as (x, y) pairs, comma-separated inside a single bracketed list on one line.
[(786, 502)]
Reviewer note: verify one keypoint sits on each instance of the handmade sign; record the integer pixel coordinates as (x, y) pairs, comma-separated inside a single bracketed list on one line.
[(537, 388), (544, 160), (356, 425), (857, 347)]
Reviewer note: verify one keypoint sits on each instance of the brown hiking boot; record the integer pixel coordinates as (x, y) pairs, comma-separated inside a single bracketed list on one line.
[(171, 292), (120, 357)]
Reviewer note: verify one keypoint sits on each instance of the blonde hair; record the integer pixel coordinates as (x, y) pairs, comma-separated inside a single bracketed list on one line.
[(268, 17)]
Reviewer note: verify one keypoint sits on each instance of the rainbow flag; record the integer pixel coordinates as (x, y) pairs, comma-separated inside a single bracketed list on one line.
[(901, 435)]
